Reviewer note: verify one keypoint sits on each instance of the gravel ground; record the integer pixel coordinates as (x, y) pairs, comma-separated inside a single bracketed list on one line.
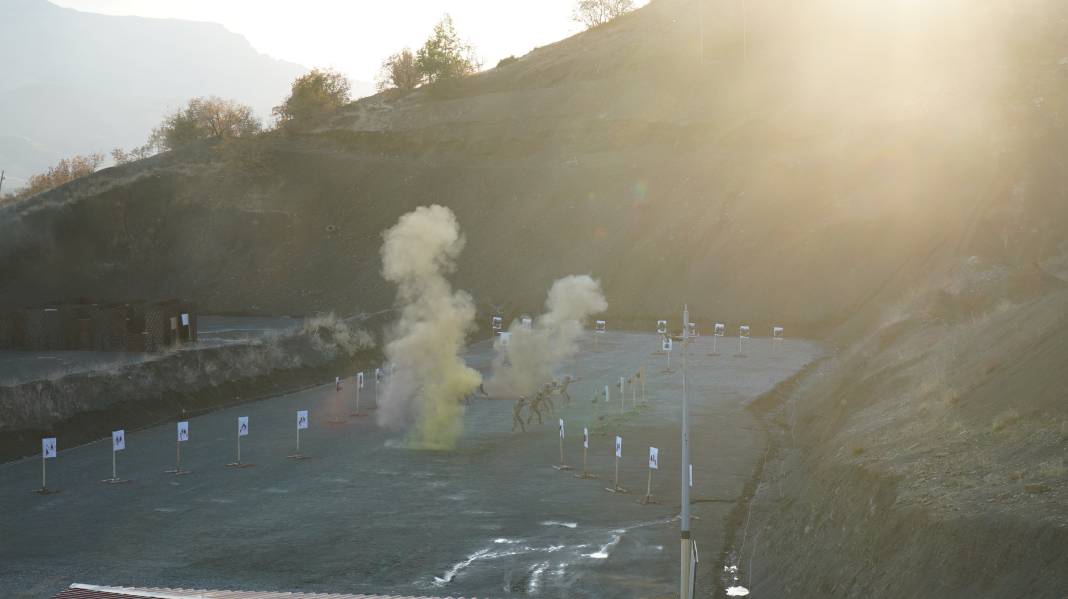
[(491, 518)]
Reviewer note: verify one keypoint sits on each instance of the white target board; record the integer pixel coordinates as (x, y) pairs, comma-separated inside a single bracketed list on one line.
[(619, 446), (359, 380), (302, 419), (666, 344), (505, 338), (654, 458), (720, 330), (48, 447), (602, 326), (497, 323), (743, 331), (776, 332), (378, 374), (561, 428), (526, 321), (118, 440), (661, 326), (586, 437), (606, 396), (185, 320), (692, 328), (242, 426), (622, 386), (691, 475), (183, 432)]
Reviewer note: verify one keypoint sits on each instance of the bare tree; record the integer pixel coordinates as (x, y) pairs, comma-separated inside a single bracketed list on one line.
[(592, 13)]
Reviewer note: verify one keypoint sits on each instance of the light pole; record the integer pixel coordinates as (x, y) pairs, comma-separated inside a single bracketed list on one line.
[(685, 543)]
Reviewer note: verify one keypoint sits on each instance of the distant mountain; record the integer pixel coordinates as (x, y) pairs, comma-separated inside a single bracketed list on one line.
[(75, 82)]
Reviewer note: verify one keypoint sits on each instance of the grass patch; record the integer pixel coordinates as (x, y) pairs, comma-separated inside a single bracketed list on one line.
[(1004, 420)]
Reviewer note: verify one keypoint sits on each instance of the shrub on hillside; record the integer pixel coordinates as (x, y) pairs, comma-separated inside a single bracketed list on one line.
[(313, 94), (205, 118), (64, 171), (592, 13)]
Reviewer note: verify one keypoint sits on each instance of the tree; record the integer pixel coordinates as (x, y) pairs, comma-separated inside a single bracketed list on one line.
[(445, 56), (318, 92), (592, 13), (64, 171), (399, 71), (205, 118)]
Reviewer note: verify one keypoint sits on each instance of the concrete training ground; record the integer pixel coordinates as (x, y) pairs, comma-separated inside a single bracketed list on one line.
[(491, 518)]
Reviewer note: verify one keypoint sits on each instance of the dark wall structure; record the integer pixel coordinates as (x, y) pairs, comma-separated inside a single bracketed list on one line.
[(129, 326)]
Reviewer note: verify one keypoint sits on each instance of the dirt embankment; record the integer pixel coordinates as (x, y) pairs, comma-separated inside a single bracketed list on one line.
[(87, 406), (927, 459)]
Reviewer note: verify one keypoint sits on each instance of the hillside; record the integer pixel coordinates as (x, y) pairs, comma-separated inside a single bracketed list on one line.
[(77, 82), (886, 176), (788, 186)]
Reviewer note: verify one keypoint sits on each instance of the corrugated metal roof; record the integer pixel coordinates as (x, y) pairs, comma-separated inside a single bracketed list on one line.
[(88, 591)]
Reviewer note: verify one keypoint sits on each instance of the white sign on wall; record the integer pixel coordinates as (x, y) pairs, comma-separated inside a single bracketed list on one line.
[(183, 432), (619, 446), (654, 458), (586, 437), (661, 326), (720, 330), (118, 440), (242, 426), (48, 447), (302, 419)]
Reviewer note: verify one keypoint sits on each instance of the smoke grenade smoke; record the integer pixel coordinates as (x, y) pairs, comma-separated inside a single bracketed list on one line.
[(430, 379), (534, 353)]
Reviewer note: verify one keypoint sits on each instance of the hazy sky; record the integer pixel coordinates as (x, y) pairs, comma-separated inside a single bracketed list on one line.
[(354, 36)]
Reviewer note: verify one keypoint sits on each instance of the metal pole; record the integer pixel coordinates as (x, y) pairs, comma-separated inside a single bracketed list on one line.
[(357, 398), (113, 476), (44, 474), (298, 440), (238, 448), (561, 451), (178, 460), (685, 543), (615, 485)]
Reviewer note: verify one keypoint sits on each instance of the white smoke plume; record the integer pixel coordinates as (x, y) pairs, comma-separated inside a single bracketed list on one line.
[(431, 379), (534, 353)]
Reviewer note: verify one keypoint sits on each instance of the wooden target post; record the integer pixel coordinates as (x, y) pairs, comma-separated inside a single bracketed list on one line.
[(118, 443), (183, 436), (619, 453), (242, 431), (48, 452), (563, 464), (654, 464), (585, 448), (302, 423)]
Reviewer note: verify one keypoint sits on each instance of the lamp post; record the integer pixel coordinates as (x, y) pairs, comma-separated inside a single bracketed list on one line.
[(685, 543)]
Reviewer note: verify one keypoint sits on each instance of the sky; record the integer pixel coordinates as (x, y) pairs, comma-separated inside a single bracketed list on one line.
[(354, 36)]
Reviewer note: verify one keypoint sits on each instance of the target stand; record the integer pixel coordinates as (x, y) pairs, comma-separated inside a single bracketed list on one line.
[(46, 491), (562, 467), (117, 481), (240, 465), (178, 470)]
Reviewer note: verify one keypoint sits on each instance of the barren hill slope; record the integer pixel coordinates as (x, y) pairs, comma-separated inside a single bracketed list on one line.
[(847, 152)]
